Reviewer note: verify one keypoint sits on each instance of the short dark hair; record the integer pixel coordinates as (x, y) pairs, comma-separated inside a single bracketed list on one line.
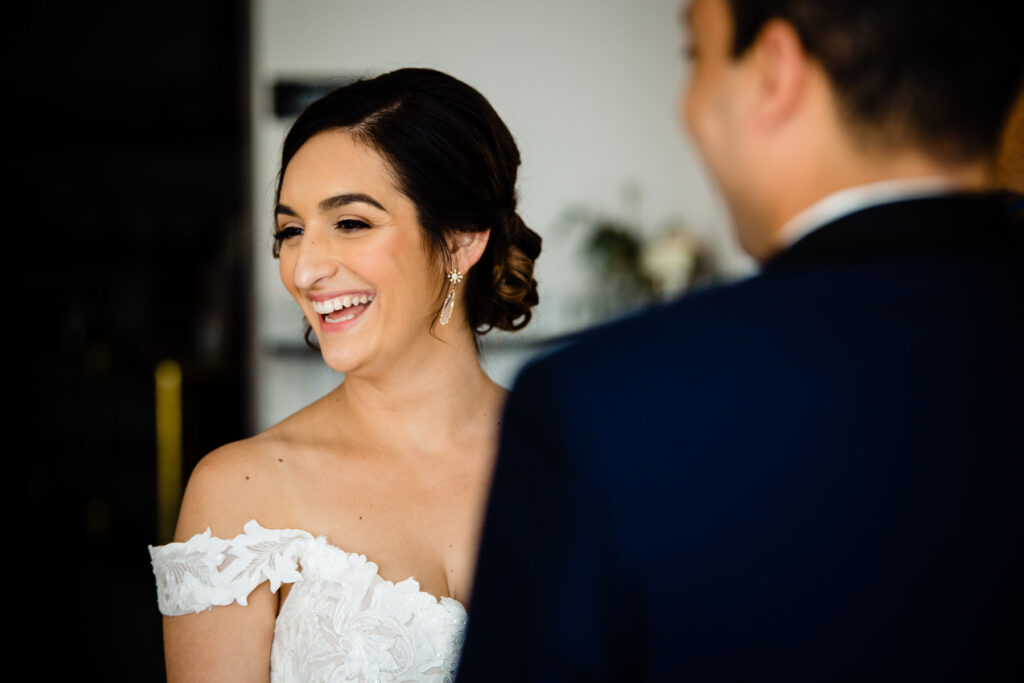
[(936, 76), (454, 158)]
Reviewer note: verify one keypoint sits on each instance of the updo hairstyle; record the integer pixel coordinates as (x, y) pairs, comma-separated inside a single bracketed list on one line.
[(452, 155)]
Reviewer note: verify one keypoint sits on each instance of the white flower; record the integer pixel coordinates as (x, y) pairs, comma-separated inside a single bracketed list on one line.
[(669, 261)]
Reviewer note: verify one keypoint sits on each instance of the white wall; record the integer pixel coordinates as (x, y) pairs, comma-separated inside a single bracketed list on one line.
[(589, 89)]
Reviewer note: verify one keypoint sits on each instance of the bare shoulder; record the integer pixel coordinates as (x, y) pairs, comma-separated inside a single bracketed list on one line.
[(227, 488), (232, 485)]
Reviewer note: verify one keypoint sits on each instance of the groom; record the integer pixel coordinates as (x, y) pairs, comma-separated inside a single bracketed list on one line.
[(818, 473)]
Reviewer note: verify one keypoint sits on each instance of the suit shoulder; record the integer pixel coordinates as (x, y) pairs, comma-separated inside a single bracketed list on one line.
[(663, 330)]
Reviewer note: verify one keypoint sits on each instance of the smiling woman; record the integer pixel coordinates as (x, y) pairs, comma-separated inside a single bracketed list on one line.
[(346, 233), (452, 157), (397, 235)]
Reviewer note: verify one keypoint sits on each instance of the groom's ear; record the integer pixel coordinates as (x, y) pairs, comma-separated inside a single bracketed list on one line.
[(781, 70), (467, 248)]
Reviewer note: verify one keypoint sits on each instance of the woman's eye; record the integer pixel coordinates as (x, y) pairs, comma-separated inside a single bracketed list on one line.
[(284, 233), (351, 224)]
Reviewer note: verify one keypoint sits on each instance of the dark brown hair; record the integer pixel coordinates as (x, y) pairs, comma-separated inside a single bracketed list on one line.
[(935, 75), (452, 155)]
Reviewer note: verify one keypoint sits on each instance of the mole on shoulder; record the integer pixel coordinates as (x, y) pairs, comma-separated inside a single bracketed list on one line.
[(360, 516), (247, 477), (280, 459)]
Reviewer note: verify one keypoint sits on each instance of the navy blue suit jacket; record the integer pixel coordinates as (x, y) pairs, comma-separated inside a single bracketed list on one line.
[(815, 474)]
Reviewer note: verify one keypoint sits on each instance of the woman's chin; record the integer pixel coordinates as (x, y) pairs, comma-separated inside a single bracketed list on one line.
[(339, 361)]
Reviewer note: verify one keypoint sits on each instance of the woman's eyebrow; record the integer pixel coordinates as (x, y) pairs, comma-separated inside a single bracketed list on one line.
[(352, 198), (334, 202)]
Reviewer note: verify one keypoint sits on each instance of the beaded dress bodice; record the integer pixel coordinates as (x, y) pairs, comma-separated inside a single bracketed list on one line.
[(340, 622)]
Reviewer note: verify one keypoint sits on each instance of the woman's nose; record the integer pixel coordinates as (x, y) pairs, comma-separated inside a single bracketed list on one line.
[(314, 261)]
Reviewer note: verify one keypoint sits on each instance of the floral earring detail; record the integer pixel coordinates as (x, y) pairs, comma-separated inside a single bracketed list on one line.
[(455, 277)]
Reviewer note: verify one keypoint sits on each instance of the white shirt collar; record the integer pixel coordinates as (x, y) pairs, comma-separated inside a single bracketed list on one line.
[(853, 199)]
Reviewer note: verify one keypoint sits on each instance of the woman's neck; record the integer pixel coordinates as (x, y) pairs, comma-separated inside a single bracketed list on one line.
[(433, 396)]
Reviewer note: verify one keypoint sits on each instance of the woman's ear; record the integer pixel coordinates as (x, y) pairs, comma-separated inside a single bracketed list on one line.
[(467, 248)]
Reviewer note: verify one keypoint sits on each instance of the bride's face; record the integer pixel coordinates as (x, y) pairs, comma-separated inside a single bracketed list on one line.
[(353, 254)]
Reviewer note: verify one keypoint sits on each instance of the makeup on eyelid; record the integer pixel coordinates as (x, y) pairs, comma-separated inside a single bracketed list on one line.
[(347, 225)]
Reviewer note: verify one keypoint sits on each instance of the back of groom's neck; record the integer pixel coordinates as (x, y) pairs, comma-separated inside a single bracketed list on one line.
[(813, 182)]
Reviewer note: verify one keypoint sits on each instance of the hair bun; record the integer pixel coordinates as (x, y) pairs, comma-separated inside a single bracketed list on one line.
[(504, 299), (514, 287)]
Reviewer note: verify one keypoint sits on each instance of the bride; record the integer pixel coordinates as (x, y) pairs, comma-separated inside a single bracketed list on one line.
[(339, 544)]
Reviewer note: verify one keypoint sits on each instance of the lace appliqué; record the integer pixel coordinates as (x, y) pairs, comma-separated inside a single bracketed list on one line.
[(366, 628), (207, 571), (341, 622)]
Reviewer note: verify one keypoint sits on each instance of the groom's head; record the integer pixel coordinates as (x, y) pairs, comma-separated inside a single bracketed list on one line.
[(792, 99)]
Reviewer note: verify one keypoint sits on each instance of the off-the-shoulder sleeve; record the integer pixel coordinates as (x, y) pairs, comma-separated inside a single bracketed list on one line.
[(205, 571)]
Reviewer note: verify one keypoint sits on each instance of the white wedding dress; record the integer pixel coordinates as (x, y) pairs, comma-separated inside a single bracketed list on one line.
[(341, 620)]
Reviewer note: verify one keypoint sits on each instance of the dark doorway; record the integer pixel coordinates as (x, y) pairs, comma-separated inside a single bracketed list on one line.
[(130, 164)]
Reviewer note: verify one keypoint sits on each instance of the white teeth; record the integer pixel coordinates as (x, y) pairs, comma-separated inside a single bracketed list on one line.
[(341, 319), (340, 302)]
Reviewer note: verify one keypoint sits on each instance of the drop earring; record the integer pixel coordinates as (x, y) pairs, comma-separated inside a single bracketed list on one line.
[(455, 277)]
